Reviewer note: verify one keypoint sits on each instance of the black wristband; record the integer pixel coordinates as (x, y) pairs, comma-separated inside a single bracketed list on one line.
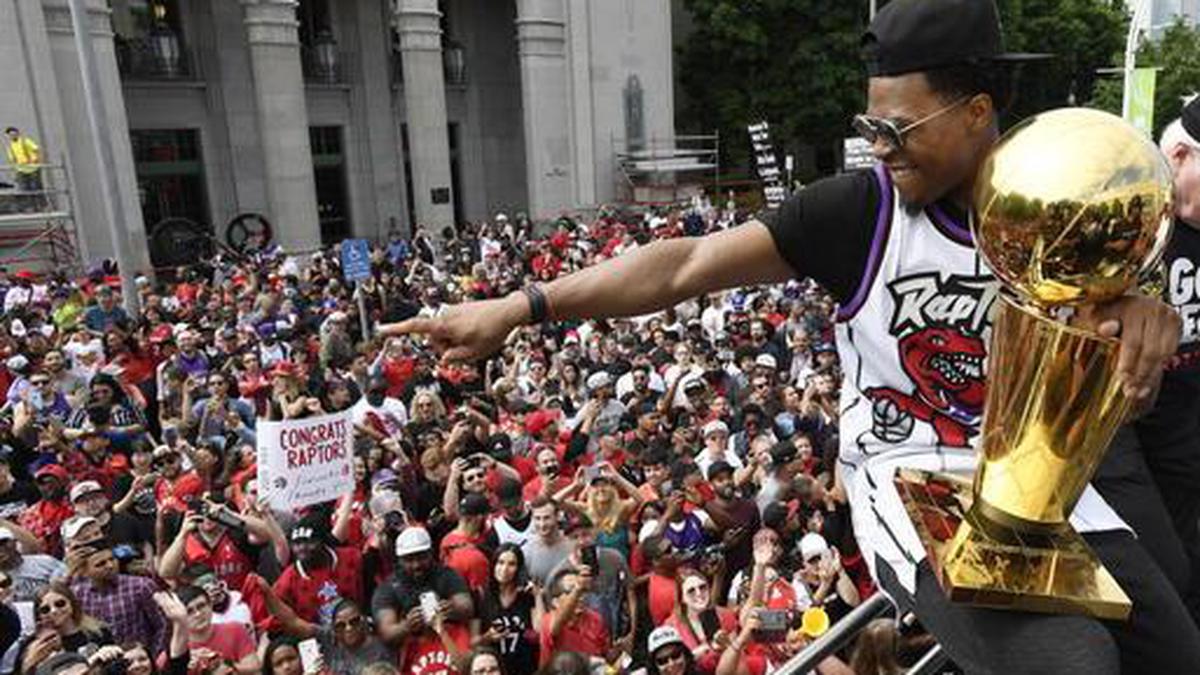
[(537, 304)]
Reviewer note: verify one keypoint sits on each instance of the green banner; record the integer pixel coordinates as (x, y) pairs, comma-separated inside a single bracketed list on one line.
[(1141, 99)]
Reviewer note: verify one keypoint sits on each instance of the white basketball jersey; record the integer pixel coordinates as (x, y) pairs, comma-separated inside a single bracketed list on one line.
[(507, 534), (913, 346)]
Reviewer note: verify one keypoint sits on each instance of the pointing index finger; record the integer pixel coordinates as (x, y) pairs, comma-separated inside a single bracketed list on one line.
[(420, 326)]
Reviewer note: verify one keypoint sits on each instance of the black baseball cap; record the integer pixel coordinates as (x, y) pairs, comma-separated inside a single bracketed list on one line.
[(1191, 118), (783, 452), (474, 504), (719, 467), (909, 36)]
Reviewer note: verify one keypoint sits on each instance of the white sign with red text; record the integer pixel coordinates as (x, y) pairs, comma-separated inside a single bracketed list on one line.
[(306, 461)]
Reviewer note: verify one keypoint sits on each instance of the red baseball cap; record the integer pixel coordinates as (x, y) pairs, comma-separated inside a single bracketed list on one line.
[(54, 470), (537, 421)]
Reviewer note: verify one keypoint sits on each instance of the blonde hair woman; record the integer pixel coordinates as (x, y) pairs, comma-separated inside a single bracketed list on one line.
[(607, 499)]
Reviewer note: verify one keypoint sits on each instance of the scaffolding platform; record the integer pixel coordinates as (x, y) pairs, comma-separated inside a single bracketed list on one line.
[(658, 171), (37, 227)]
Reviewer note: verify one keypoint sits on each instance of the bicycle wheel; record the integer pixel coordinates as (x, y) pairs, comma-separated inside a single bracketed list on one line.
[(176, 242), (248, 232)]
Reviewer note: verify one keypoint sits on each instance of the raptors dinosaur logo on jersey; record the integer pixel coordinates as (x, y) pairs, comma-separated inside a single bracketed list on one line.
[(939, 326)]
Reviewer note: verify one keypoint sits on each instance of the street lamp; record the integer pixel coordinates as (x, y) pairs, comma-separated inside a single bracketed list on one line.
[(164, 43), (454, 59), (325, 50)]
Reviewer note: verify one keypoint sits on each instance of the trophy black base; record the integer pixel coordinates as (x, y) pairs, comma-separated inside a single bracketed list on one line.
[(1050, 573)]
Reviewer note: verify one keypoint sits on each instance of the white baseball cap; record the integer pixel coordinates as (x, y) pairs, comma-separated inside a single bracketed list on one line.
[(413, 540), (83, 489), (811, 545), (599, 380), (715, 426), (661, 637), (73, 526), (766, 361), (6, 534)]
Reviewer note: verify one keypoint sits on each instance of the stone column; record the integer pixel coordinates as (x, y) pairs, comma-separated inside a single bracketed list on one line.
[(88, 180), (546, 95), (271, 32), (417, 22)]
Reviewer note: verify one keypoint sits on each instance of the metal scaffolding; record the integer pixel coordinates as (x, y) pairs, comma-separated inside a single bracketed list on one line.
[(667, 170), (37, 227)]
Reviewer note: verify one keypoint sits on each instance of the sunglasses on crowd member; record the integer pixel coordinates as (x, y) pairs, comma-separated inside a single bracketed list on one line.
[(348, 623), (57, 604), (873, 128), (668, 657)]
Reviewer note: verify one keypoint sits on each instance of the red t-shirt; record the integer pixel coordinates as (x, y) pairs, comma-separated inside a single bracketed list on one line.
[(231, 640), (314, 593), (534, 487), (425, 654), (225, 558), (172, 495), (662, 597), (462, 555), (707, 663), (585, 635)]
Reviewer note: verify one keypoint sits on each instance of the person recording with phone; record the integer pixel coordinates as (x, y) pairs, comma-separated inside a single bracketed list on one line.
[(613, 594), (424, 607), (571, 625), (347, 642), (510, 611), (212, 534)]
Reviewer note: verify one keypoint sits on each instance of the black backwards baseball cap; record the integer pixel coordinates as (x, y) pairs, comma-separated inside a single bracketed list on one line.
[(908, 36), (1191, 118)]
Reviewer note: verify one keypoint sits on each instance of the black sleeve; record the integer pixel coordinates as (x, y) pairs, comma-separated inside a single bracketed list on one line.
[(576, 447), (449, 583), (824, 231), (10, 628)]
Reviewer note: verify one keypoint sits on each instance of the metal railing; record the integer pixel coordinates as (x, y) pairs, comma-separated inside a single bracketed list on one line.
[(47, 196), (36, 224), (155, 58), (322, 66), (845, 631), (454, 76), (837, 637)]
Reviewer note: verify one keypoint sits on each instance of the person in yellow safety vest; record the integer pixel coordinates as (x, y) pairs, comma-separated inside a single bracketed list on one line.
[(25, 157)]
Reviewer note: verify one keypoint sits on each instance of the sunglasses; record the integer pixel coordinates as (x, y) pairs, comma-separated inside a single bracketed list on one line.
[(348, 624), (698, 588), (668, 658), (39, 383), (873, 128), (57, 604)]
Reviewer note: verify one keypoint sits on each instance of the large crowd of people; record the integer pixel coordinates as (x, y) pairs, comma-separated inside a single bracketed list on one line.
[(651, 493)]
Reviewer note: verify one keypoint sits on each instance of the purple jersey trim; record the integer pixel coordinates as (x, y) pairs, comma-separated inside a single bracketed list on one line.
[(949, 227), (883, 225)]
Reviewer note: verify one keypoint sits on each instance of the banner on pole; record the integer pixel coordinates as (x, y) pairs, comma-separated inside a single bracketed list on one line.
[(768, 170), (1141, 99), (306, 461)]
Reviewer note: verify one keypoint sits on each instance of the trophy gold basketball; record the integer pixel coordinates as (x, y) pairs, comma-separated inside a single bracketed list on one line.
[(1073, 206)]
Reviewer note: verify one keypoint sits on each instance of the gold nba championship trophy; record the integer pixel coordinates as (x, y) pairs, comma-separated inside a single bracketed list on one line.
[(1071, 207)]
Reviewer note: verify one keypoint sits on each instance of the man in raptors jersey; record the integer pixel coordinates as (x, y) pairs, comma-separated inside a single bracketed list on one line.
[(915, 305), (1166, 440)]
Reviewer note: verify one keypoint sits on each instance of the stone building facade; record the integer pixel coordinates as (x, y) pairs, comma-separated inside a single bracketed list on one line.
[(339, 118)]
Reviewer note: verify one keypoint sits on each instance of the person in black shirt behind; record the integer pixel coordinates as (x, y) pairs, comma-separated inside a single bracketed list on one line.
[(15, 495), (510, 610), (425, 605), (1169, 434)]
